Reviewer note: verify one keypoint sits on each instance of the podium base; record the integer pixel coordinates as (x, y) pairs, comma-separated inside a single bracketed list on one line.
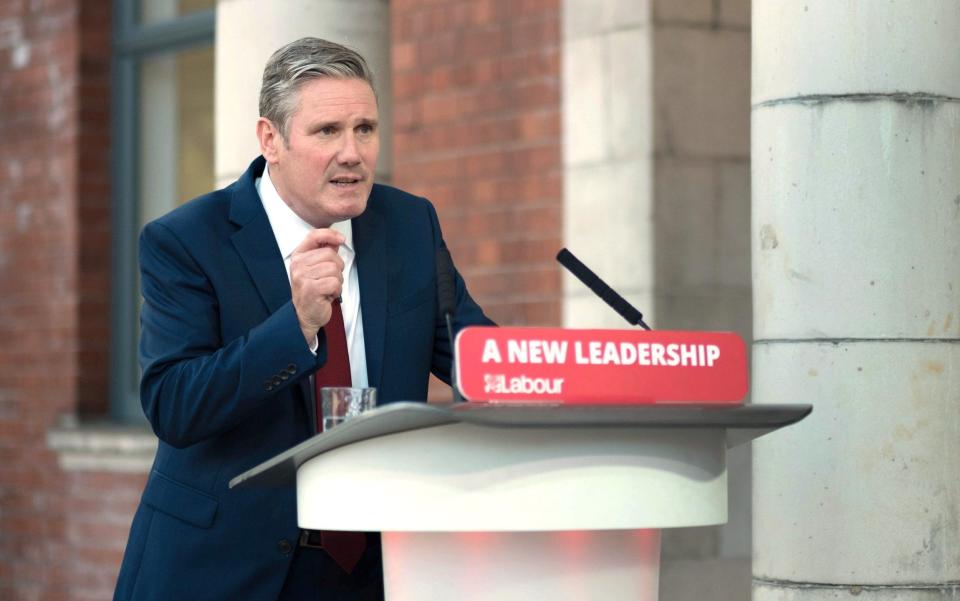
[(522, 566)]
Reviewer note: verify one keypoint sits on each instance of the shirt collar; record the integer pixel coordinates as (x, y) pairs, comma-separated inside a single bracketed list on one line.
[(288, 228)]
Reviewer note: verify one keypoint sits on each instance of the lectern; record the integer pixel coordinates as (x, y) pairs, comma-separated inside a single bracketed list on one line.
[(516, 502)]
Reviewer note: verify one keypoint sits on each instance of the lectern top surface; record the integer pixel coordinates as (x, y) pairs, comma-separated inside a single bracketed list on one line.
[(742, 423)]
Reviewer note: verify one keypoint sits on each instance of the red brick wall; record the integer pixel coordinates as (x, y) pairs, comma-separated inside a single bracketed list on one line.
[(61, 533), (101, 506), (38, 279), (477, 130), (92, 208)]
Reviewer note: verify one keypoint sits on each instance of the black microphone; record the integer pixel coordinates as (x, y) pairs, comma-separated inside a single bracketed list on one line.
[(601, 289), (447, 304), (446, 283)]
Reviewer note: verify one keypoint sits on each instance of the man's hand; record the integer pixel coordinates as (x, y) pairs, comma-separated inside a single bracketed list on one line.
[(316, 279)]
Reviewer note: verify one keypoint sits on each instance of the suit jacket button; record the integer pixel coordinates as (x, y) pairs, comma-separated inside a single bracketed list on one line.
[(292, 368), (267, 386), (277, 381), (285, 546)]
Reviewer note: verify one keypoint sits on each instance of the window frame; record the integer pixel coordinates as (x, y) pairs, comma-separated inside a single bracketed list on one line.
[(132, 43)]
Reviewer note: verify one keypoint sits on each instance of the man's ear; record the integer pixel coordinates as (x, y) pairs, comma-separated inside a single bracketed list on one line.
[(270, 139)]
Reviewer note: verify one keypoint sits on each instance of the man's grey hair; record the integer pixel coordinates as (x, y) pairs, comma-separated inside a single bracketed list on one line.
[(298, 62)]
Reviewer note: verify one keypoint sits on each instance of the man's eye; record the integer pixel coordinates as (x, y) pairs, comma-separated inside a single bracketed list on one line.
[(328, 131), (365, 129)]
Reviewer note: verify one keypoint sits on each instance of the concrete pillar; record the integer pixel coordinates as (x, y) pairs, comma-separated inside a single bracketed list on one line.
[(607, 155), (656, 199), (248, 31), (856, 267), (701, 103)]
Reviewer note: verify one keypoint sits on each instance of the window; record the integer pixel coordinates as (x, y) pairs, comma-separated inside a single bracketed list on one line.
[(162, 150), (152, 12)]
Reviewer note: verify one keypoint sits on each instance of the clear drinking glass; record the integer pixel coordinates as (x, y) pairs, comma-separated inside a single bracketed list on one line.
[(341, 403)]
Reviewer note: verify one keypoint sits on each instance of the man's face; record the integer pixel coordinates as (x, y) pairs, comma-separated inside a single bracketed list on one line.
[(324, 169)]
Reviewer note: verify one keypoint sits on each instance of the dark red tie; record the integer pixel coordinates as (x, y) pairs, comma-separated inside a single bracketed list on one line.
[(336, 371), (346, 548)]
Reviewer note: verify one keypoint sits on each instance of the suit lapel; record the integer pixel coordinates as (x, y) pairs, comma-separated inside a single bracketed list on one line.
[(257, 247), (255, 242), (370, 240)]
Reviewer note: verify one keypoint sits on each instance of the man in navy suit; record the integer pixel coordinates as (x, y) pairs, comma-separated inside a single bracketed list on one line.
[(240, 287)]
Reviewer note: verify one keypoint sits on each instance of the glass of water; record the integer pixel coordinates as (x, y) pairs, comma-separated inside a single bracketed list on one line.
[(341, 403)]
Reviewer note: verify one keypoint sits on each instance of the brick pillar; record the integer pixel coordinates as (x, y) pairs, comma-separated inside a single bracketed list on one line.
[(93, 208), (39, 283)]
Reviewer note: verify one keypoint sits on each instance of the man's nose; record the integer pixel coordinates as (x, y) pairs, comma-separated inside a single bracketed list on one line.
[(349, 152)]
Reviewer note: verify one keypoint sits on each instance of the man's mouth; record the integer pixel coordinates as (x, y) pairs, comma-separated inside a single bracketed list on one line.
[(346, 181)]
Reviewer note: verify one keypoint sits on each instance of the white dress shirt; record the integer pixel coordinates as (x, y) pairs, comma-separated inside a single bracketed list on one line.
[(290, 230)]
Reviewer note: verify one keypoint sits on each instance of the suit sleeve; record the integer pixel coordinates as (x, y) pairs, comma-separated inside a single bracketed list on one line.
[(468, 313), (194, 385)]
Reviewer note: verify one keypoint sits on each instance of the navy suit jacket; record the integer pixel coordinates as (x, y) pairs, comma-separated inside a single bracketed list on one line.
[(225, 379)]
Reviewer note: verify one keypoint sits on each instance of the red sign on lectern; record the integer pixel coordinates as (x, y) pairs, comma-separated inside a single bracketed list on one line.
[(600, 366)]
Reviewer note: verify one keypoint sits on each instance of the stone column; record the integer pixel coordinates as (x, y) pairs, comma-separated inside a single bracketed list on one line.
[(608, 155), (248, 31), (856, 268), (701, 238)]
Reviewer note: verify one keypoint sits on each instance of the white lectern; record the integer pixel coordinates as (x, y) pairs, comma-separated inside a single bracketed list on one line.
[(506, 502)]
